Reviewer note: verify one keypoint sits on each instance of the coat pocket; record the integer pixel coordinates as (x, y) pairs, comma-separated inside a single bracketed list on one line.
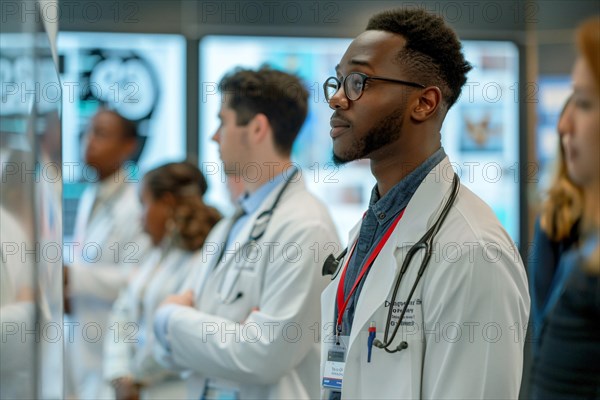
[(390, 375)]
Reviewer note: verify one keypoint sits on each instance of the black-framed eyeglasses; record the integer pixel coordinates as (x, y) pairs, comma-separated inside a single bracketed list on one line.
[(354, 85)]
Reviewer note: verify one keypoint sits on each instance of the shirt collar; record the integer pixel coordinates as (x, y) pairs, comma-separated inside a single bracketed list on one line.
[(400, 194), (250, 202)]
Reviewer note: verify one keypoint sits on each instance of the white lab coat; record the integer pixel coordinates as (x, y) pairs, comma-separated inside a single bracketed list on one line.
[(114, 244), (465, 329), (272, 353), (129, 352)]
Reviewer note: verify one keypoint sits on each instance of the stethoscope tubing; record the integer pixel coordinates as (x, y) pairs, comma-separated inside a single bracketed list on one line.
[(253, 238), (426, 243)]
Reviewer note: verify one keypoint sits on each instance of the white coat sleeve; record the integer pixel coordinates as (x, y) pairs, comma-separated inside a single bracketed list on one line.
[(165, 358), (274, 340), (118, 350), (100, 281), (104, 281), (475, 305)]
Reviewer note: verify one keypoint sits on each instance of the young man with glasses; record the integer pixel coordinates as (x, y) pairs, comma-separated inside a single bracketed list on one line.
[(443, 318)]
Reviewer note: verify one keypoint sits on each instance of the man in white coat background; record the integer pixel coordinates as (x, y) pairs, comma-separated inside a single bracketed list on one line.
[(248, 327), (460, 330), (109, 245)]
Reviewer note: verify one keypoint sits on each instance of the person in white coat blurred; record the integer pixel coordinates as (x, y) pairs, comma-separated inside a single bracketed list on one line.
[(248, 327), (461, 303), (109, 246), (178, 223)]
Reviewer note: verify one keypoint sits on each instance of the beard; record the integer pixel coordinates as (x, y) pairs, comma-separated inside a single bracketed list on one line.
[(385, 132)]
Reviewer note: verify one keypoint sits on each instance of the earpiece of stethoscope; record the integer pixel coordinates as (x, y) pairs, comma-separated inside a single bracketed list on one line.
[(379, 344)]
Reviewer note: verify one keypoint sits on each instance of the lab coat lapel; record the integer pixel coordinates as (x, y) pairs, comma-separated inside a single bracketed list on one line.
[(83, 215), (426, 204), (231, 254), (421, 212), (242, 237), (230, 257), (328, 295), (377, 285)]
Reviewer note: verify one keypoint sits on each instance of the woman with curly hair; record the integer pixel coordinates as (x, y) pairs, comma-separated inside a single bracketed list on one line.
[(178, 222)]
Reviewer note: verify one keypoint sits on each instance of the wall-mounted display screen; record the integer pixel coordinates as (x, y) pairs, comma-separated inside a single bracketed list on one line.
[(31, 278), (480, 133), (141, 76)]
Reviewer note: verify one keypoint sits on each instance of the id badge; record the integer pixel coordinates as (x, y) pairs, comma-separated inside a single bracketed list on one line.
[(333, 375), (214, 391)]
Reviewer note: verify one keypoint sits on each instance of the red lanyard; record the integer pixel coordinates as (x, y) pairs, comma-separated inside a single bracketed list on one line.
[(341, 304)]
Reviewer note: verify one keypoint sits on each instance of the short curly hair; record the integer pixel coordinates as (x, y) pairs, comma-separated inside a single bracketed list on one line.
[(432, 55), (280, 96)]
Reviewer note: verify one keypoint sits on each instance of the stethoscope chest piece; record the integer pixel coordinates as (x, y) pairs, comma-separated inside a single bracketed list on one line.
[(332, 265)]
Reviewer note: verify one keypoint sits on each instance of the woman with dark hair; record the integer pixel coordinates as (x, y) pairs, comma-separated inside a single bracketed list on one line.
[(178, 222), (567, 365)]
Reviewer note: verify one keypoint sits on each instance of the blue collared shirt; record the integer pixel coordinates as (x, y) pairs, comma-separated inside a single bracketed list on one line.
[(249, 203), (378, 218)]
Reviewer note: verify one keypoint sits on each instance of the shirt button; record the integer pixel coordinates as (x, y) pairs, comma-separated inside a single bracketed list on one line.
[(381, 215)]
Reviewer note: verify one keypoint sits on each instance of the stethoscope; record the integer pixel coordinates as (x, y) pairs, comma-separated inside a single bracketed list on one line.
[(332, 266), (261, 223)]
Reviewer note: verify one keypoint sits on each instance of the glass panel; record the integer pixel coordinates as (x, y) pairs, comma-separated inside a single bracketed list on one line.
[(30, 211)]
